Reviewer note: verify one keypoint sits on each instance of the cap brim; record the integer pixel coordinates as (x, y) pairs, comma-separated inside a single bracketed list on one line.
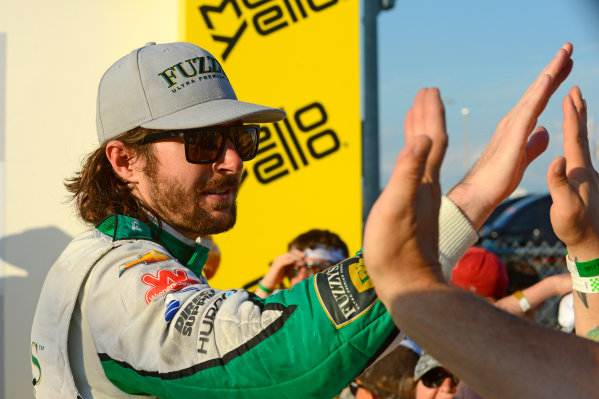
[(216, 112)]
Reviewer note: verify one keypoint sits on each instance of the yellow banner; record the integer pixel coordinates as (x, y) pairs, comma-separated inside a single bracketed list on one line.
[(301, 56)]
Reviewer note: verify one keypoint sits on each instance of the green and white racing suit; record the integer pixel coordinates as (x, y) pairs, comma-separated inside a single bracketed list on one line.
[(124, 314)]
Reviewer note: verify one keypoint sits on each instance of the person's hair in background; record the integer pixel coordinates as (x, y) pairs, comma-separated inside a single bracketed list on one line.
[(481, 272), (312, 238), (100, 192), (521, 275)]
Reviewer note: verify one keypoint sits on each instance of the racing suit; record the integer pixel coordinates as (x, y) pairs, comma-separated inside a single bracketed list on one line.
[(125, 313)]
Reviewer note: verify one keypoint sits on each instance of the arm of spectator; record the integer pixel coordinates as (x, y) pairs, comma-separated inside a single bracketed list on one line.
[(280, 267), (400, 252), (536, 294), (574, 187), (513, 146)]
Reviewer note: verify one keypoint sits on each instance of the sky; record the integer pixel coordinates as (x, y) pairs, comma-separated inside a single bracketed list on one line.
[(482, 55)]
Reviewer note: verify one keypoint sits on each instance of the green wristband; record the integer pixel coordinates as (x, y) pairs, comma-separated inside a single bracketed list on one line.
[(263, 288), (590, 268)]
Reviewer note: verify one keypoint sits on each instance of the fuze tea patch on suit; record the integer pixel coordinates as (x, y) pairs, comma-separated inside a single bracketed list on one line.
[(345, 291)]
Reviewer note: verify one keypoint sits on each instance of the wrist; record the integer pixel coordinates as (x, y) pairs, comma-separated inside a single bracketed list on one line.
[(265, 288), (522, 301), (469, 203), (583, 252), (585, 275)]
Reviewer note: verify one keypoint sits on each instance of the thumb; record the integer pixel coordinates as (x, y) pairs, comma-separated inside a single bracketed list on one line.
[(557, 180)]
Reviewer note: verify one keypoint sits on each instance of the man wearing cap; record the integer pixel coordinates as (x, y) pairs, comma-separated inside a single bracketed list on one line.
[(125, 311)]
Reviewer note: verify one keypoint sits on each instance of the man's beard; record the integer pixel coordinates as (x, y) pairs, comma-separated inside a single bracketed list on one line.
[(182, 212)]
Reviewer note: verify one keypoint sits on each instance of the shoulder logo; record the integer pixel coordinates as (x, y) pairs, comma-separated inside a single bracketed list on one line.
[(345, 291), (165, 281), (146, 259), (359, 276)]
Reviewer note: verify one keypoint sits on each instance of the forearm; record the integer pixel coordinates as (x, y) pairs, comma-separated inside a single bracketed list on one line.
[(586, 302), (515, 349), (535, 295)]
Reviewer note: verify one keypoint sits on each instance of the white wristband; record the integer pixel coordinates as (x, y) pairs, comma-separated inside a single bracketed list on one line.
[(590, 285), (524, 304)]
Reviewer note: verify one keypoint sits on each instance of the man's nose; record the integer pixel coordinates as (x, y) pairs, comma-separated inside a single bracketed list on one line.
[(229, 158)]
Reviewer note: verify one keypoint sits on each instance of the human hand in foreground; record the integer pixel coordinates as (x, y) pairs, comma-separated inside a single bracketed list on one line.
[(574, 187), (403, 223), (514, 145)]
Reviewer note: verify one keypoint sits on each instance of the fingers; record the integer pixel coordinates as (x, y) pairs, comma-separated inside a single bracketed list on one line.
[(409, 170), (558, 69), (427, 118), (576, 143), (535, 98), (557, 182), (537, 144)]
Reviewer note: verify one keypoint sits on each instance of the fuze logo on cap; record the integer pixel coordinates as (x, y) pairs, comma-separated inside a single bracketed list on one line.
[(187, 69)]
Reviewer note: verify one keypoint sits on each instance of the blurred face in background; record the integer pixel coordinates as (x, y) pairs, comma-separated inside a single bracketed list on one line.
[(437, 383), (311, 267)]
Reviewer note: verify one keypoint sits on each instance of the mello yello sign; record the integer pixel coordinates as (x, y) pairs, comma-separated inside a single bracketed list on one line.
[(301, 56)]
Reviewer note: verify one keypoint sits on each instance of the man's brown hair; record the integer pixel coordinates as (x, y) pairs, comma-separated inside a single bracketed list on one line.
[(100, 192)]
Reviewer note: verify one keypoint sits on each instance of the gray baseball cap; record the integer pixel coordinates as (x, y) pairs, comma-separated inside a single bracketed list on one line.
[(171, 86), (425, 364)]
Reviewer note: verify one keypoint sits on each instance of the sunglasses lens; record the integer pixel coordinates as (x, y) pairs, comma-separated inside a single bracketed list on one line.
[(436, 377), (246, 142), (204, 147)]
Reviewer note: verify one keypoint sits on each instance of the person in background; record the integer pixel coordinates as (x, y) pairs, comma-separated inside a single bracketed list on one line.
[(390, 377), (213, 261), (433, 381), (481, 272), (307, 254), (520, 275)]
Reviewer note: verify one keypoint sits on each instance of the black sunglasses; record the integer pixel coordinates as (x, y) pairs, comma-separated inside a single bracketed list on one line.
[(435, 377), (205, 144)]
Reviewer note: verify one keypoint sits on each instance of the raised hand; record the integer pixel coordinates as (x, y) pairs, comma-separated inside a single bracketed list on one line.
[(280, 268), (514, 145), (574, 188), (574, 185), (403, 222)]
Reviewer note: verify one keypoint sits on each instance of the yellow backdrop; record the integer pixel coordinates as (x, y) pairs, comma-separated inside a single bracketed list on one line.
[(302, 56)]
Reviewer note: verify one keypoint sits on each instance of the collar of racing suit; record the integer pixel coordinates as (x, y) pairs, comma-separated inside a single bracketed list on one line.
[(191, 253)]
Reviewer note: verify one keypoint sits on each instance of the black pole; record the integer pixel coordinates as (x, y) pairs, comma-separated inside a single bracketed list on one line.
[(370, 126)]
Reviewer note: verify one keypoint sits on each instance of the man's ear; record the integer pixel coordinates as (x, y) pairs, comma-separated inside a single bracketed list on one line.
[(123, 161)]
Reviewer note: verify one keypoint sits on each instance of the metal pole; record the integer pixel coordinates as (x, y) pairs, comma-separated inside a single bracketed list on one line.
[(465, 113), (370, 129)]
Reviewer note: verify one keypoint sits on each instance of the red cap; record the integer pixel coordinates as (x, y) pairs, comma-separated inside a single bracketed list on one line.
[(480, 272)]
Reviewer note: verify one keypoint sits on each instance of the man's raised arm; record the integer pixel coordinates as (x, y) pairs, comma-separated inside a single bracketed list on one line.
[(574, 187)]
